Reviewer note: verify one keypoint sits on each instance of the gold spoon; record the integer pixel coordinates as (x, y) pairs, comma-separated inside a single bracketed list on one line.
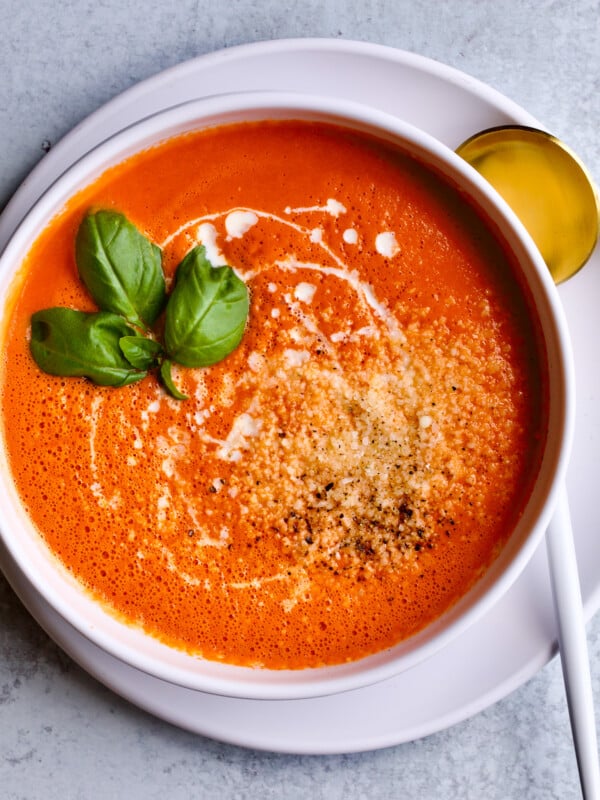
[(552, 193), (548, 188)]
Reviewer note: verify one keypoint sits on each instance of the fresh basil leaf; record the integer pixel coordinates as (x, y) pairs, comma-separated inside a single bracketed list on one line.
[(167, 378), (120, 267), (206, 313), (139, 351), (77, 344)]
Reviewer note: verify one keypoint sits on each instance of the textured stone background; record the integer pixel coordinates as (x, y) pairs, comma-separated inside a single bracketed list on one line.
[(62, 735)]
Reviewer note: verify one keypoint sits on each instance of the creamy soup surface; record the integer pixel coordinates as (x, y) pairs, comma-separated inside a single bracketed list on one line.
[(347, 473)]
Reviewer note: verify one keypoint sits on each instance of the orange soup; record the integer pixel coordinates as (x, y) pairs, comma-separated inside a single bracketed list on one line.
[(342, 477)]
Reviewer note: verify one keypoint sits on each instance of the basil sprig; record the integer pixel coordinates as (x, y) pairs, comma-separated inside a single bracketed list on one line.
[(205, 315)]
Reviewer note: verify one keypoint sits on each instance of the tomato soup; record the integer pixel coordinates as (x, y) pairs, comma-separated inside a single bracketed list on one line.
[(353, 467)]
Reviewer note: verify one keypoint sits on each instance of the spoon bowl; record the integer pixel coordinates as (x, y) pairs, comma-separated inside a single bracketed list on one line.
[(548, 188)]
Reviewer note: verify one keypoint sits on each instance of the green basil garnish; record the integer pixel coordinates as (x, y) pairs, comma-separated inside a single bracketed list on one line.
[(120, 267), (76, 344), (204, 320), (206, 313)]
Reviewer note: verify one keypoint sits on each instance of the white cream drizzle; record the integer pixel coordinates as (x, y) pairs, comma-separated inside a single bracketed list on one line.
[(97, 486), (386, 244), (333, 207), (206, 234), (305, 292), (237, 223), (362, 289), (93, 417)]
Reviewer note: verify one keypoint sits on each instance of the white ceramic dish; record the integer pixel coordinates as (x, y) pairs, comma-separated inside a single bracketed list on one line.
[(147, 654), (512, 641)]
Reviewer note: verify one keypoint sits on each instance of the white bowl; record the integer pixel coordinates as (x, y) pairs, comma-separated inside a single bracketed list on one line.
[(132, 646)]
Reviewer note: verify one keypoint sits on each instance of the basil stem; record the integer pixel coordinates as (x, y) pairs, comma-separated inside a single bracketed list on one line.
[(120, 267), (167, 379), (206, 313), (78, 344)]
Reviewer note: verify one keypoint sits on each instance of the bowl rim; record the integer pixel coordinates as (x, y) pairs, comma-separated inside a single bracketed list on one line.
[(248, 682)]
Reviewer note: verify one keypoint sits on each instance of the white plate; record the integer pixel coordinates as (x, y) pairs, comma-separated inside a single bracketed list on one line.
[(518, 636)]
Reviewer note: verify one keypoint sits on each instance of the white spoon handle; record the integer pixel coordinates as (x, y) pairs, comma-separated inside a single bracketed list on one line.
[(573, 646)]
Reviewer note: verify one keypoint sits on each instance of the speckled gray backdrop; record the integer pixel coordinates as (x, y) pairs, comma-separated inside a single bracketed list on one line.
[(62, 735)]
